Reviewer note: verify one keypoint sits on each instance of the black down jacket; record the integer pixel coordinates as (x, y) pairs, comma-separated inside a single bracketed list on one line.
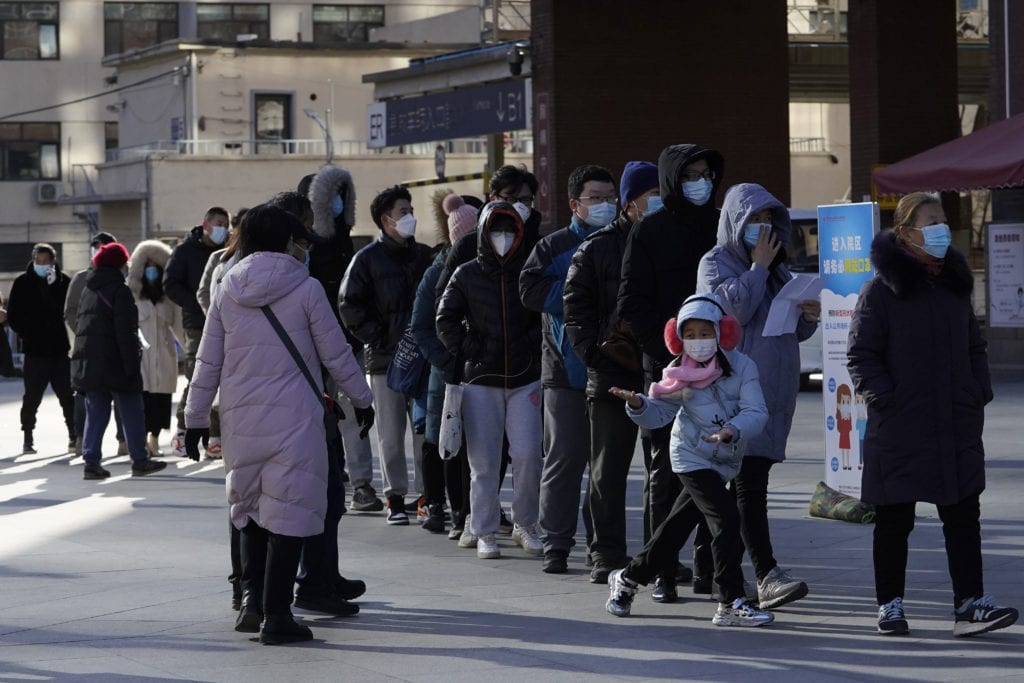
[(481, 319), (591, 312), (917, 356), (182, 275), (107, 352), (659, 269), (35, 311), (375, 301)]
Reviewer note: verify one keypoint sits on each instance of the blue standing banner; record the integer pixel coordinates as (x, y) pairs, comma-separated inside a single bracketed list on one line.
[(845, 232)]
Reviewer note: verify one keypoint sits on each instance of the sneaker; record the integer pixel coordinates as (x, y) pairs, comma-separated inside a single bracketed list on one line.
[(122, 447), (555, 562), (504, 525), (741, 613), (778, 589), (891, 620), (364, 499), (599, 574), (423, 511), (621, 592), (349, 589), (528, 539), (28, 448), (93, 472), (147, 466), (665, 589), (78, 447), (415, 505), (487, 548), (748, 591), (213, 448), (458, 526), (178, 444), (981, 615), (396, 512), (71, 445), (434, 522), (468, 539)]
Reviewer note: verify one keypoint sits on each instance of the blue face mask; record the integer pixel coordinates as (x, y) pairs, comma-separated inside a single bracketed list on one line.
[(653, 204), (41, 271), (600, 215), (337, 206), (306, 262), (219, 234), (697, 191), (152, 273), (752, 232), (937, 239)]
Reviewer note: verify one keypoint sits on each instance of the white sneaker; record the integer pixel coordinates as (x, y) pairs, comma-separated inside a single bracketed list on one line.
[(213, 449), (467, 539), (741, 613), (528, 538), (778, 589), (178, 444), (487, 548)]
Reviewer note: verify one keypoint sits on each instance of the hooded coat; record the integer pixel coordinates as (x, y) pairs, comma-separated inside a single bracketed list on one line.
[(659, 268), (35, 311), (272, 426), (182, 276), (107, 349), (156, 321), (481, 319), (331, 254), (917, 356), (747, 291)]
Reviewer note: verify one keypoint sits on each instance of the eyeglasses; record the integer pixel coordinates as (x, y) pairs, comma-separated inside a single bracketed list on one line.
[(526, 199), (690, 176), (591, 200)]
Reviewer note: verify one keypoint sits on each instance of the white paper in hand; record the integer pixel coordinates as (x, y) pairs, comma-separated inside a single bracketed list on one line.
[(784, 312)]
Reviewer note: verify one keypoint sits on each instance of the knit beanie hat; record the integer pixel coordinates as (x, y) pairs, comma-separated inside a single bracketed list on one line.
[(703, 307), (638, 177), (461, 217), (112, 255)]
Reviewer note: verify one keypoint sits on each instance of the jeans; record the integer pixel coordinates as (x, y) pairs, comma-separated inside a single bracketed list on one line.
[(97, 416), (192, 339), (269, 562), (80, 417), (566, 456), (961, 528), (612, 441), (41, 371)]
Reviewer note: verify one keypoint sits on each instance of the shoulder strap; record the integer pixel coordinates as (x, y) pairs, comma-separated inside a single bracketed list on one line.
[(276, 324)]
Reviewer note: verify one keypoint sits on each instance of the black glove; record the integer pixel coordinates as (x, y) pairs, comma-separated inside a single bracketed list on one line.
[(192, 438), (364, 418)]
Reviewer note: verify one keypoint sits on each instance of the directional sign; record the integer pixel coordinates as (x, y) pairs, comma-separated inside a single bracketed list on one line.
[(494, 108)]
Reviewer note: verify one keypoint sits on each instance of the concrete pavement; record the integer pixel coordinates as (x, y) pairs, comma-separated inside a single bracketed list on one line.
[(125, 580)]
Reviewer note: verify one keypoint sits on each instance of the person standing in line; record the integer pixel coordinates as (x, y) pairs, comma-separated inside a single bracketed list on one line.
[(157, 317), (917, 356), (35, 313), (105, 363), (213, 273), (746, 269), (375, 303), (181, 284), (7, 368), (612, 359)]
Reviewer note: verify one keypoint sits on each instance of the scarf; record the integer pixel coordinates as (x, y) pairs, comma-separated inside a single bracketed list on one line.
[(688, 374)]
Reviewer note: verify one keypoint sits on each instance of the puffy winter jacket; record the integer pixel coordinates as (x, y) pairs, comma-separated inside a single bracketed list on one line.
[(424, 331), (183, 274), (156, 321), (107, 351), (35, 311)]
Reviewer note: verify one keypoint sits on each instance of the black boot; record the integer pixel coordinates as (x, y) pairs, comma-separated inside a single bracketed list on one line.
[(29, 445), (279, 629), (249, 614), (664, 589), (349, 589), (236, 594), (435, 519)]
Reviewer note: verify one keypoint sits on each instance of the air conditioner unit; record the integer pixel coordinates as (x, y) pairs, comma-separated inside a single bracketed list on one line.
[(48, 192)]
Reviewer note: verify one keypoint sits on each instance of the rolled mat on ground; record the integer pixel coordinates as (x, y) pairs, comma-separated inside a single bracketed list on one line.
[(828, 503)]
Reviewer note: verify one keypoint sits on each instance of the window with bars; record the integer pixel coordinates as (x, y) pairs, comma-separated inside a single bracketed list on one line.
[(29, 30), (29, 151), (345, 23), (226, 21), (135, 25)]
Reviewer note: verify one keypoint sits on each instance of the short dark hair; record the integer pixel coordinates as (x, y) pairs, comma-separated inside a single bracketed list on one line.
[(294, 203), (236, 220), (582, 174), (512, 178), (385, 201), (266, 228), (215, 211), (44, 248)]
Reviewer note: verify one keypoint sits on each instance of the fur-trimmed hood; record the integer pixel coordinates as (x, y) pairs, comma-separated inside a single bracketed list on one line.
[(328, 181), (902, 273), (149, 250)]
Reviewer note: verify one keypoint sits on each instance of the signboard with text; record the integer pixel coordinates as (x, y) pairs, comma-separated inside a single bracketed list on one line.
[(845, 232), (469, 112), (1005, 275)]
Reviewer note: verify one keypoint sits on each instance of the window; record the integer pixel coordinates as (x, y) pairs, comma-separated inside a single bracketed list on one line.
[(28, 30), (227, 21), (110, 135), (345, 23), (29, 151), (135, 25), (273, 120)]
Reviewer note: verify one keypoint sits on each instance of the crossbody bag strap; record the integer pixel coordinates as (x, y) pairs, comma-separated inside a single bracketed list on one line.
[(276, 324)]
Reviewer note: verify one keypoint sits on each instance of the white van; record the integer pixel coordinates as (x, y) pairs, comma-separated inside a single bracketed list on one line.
[(802, 257)]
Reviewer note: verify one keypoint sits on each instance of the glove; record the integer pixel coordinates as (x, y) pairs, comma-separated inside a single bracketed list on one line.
[(364, 418), (192, 437)]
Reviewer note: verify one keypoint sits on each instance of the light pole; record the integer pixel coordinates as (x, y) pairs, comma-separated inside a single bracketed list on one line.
[(328, 140)]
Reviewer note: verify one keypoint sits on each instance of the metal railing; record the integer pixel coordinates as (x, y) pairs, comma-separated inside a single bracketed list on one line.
[(807, 145), (825, 21), (505, 19)]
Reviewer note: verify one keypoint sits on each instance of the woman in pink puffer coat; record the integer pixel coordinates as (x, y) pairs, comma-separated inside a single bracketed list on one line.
[(272, 425)]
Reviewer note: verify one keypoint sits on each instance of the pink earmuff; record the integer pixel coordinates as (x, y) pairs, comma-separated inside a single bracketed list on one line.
[(672, 341), (729, 333)]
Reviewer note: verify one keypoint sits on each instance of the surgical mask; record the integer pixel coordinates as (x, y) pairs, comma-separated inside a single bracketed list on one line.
[(844, 410), (219, 234), (406, 225), (337, 206), (937, 239), (697, 191), (752, 233), (502, 242), (701, 350), (600, 215), (41, 271), (152, 273), (653, 204), (522, 209)]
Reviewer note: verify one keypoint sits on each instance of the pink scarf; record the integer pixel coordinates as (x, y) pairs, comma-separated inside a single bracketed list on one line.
[(688, 373)]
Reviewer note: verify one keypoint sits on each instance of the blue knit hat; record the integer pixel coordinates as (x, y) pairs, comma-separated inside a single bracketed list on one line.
[(638, 177)]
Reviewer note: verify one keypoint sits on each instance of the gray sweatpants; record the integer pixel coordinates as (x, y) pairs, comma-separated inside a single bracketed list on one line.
[(394, 412), (487, 414), (566, 455), (358, 454)]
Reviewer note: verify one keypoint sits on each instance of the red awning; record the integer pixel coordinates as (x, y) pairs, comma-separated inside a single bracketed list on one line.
[(992, 157)]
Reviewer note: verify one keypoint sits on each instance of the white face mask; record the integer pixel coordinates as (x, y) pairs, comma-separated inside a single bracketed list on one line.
[(844, 410), (502, 242), (701, 350), (522, 209), (406, 225)]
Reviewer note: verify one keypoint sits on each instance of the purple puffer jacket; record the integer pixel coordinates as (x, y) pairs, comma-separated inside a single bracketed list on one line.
[(272, 428)]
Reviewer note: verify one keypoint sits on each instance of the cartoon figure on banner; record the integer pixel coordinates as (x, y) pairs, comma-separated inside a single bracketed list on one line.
[(1020, 303), (861, 425), (844, 422)]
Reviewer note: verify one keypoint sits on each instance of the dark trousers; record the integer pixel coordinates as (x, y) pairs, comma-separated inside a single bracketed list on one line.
[(751, 489), (612, 441), (97, 410), (6, 360), (192, 339), (80, 417), (441, 477), (41, 371), (663, 486), (319, 561), (961, 528), (704, 496), (269, 563), (566, 456)]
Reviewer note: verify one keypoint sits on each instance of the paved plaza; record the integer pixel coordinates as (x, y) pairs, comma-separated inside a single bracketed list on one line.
[(125, 580)]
